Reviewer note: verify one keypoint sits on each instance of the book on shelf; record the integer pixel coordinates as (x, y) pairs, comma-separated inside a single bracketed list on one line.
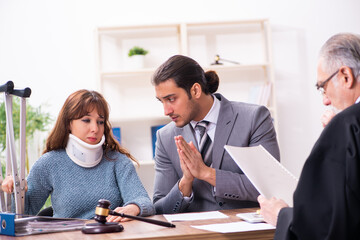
[(265, 94), (254, 94), (11, 225), (153, 136), (260, 94), (117, 133)]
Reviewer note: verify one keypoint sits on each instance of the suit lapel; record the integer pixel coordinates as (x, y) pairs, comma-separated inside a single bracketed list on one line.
[(224, 127)]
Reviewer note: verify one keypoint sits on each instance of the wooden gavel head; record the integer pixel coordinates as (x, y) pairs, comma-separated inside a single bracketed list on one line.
[(102, 210)]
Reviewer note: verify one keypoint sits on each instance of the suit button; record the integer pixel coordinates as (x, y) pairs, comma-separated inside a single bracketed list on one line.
[(225, 194), (220, 204)]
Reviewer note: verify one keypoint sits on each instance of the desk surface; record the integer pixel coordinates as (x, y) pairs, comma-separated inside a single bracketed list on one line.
[(141, 230)]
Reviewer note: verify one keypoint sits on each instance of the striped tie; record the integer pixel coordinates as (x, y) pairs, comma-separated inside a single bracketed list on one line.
[(205, 145)]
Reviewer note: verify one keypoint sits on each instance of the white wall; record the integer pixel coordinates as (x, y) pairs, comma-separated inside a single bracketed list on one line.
[(49, 46)]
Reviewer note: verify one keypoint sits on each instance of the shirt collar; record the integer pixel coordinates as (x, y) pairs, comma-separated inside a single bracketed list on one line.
[(357, 100)]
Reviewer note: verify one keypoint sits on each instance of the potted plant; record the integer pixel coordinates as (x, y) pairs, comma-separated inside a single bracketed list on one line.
[(36, 120), (137, 51), (136, 57)]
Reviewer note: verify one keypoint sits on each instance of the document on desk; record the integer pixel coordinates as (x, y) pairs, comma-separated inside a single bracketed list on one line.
[(268, 175), (235, 227), (194, 216), (30, 225)]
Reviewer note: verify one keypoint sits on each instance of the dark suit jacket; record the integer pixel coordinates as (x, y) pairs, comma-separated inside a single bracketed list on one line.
[(239, 124), (327, 198)]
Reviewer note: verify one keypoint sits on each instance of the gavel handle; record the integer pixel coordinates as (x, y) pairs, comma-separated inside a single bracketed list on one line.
[(153, 221)]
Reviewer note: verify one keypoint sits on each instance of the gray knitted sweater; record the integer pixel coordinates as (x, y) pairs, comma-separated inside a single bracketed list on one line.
[(75, 191)]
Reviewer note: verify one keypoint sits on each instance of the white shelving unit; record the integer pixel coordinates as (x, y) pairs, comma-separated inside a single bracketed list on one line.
[(130, 94)]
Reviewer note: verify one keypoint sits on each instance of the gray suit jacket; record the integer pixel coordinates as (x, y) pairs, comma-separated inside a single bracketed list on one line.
[(239, 124)]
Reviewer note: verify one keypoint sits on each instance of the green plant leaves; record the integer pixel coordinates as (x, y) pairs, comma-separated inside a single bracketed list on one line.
[(36, 119), (137, 51)]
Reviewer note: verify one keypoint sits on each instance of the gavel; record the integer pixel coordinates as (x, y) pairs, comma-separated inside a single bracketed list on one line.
[(102, 211)]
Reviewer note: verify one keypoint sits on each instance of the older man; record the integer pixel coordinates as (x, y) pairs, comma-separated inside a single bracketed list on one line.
[(327, 198)]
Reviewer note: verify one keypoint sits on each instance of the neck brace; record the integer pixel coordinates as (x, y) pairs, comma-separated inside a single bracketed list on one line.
[(84, 154)]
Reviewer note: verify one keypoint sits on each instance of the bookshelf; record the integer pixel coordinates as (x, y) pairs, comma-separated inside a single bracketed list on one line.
[(130, 94)]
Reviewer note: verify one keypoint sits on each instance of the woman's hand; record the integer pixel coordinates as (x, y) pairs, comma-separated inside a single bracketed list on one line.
[(131, 209), (8, 184)]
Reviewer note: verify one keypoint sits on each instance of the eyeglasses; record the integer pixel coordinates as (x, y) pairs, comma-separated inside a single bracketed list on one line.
[(320, 86)]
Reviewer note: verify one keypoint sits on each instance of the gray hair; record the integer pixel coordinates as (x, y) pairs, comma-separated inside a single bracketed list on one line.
[(342, 49)]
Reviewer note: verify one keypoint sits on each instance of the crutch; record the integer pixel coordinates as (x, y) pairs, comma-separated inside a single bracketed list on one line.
[(6, 88), (19, 181)]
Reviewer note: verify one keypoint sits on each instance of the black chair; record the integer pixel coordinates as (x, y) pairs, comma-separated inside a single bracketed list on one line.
[(46, 212)]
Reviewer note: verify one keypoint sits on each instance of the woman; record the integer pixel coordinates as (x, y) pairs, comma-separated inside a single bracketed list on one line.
[(82, 163)]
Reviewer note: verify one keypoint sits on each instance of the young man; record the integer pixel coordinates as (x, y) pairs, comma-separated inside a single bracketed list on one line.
[(193, 170), (327, 198)]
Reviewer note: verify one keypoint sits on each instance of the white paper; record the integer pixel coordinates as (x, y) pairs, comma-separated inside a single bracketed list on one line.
[(235, 227), (268, 176), (194, 216)]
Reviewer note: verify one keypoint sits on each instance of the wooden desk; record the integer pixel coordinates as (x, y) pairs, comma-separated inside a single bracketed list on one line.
[(141, 230)]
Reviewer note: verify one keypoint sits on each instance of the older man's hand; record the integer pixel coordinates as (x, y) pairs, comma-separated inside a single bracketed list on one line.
[(270, 208)]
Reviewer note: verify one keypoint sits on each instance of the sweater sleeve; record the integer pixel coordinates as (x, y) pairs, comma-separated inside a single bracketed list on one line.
[(131, 189), (39, 187)]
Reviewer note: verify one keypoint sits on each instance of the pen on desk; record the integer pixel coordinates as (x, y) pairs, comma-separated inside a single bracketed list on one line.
[(258, 211)]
